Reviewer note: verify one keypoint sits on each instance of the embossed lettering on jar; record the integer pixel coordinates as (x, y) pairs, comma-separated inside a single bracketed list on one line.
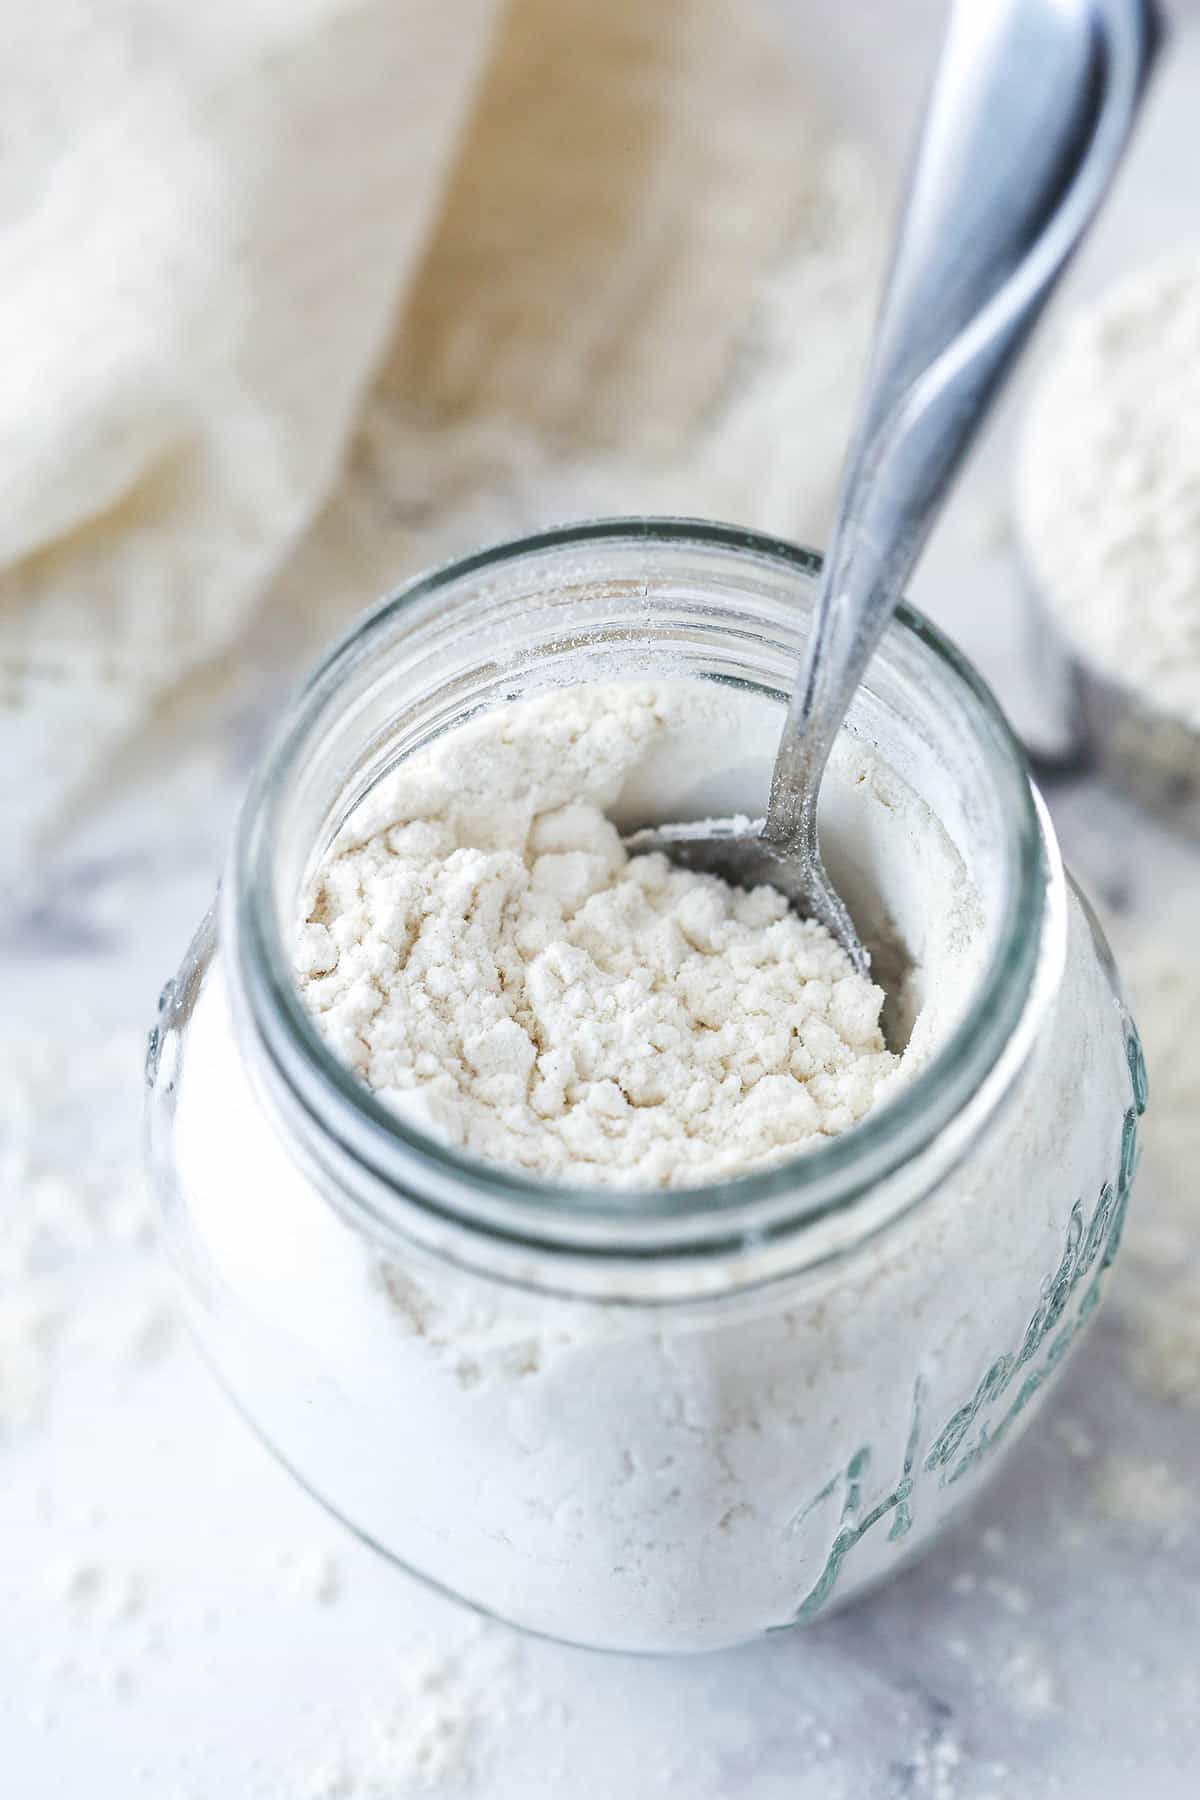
[(665, 1418)]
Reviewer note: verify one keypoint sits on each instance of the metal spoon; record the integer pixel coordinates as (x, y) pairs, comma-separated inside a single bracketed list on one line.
[(1031, 109)]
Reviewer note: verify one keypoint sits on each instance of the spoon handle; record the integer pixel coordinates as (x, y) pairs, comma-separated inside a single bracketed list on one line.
[(1030, 111)]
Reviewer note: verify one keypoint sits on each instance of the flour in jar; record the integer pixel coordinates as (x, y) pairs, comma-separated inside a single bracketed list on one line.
[(666, 1452), (484, 954)]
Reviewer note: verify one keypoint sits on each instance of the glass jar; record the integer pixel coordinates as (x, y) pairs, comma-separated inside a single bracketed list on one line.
[(666, 1420)]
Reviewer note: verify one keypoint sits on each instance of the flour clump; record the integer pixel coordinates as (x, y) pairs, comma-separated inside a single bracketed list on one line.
[(481, 951)]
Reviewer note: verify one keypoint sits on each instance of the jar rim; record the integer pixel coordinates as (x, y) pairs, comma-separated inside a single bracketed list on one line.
[(822, 1183)]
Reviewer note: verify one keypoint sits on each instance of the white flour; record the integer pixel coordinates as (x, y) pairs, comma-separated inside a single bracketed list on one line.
[(1145, 1496), (436, 1732), (1027, 1681), (1109, 485), (73, 1205), (492, 963)]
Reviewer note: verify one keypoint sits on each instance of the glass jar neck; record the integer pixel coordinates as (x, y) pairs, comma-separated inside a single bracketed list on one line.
[(615, 601)]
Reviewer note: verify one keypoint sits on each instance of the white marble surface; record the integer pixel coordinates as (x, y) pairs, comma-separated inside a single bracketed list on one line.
[(164, 1629)]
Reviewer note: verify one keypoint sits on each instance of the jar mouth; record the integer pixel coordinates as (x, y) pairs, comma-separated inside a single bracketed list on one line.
[(342, 1123)]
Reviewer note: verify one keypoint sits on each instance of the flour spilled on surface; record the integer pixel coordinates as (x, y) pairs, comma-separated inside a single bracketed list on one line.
[(99, 1593), (86, 1314), (73, 1203), (935, 1767), (485, 955), (437, 1730), (1145, 1495), (68, 1189), (115, 1630), (311, 1574), (1027, 1681)]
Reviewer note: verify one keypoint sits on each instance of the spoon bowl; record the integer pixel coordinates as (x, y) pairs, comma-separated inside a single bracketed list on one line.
[(739, 851)]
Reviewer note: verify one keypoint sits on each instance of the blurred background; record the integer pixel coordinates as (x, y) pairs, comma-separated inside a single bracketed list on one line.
[(297, 298)]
